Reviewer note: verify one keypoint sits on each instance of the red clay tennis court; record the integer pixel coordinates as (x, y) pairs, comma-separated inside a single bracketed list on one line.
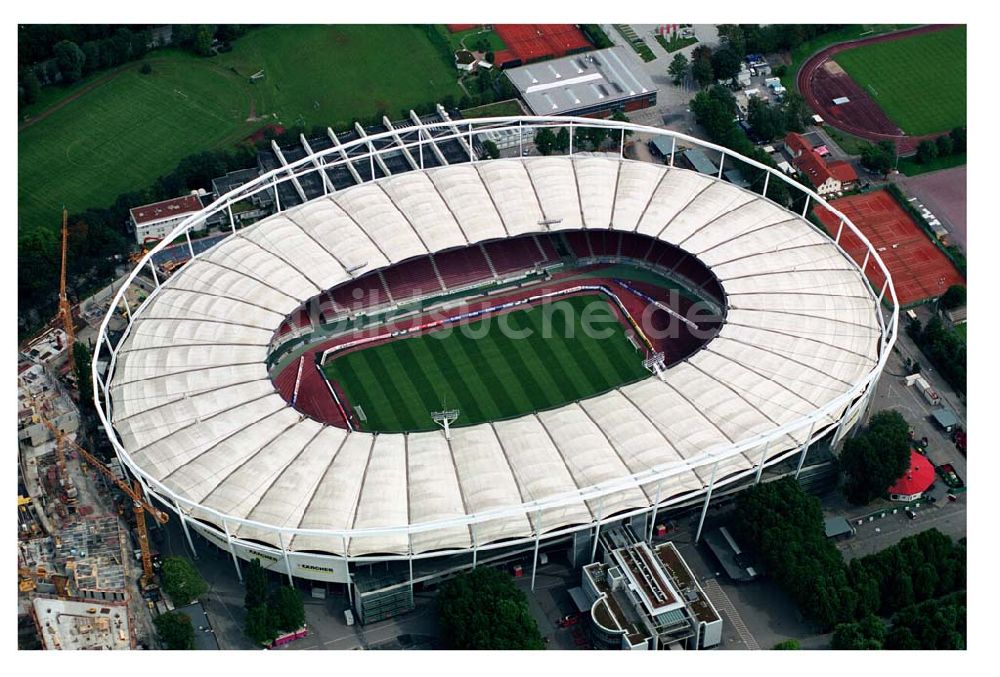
[(919, 270)]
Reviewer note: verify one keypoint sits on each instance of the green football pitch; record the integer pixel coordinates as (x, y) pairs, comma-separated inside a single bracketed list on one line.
[(920, 81), (131, 128), (487, 374)]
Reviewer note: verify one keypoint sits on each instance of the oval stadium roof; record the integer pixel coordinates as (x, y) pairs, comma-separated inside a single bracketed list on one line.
[(197, 412)]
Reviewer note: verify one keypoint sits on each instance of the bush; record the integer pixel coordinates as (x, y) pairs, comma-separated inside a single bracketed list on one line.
[(146, 69), (787, 645)]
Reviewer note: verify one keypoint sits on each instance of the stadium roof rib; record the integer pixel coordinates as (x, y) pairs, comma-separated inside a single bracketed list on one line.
[(196, 412)]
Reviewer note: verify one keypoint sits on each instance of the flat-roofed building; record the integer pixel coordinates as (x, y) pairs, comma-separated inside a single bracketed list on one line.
[(159, 218), (646, 598), (593, 84)]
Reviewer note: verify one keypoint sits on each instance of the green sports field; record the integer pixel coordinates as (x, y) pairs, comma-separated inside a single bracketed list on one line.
[(920, 81), (487, 375), (124, 133)]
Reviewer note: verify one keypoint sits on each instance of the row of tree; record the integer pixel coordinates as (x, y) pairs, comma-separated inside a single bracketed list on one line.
[(483, 609), (268, 615), (80, 51), (548, 141), (876, 457), (783, 528), (881, 157), (934, 624), (944, 347), (952, 143)]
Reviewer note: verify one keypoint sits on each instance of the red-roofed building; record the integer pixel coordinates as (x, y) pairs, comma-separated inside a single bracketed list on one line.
[(826, 178), (917, 479), (157, 219)]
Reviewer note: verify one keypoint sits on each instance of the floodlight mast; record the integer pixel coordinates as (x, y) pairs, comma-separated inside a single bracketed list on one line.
[(444, 419), (656, 364)]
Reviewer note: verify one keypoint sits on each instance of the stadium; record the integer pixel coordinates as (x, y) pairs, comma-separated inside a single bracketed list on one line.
[(291, 395)]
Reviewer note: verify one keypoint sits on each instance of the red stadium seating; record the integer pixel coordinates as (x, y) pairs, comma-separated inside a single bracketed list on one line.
[(460, 267), (365, 292), (509, 256), (412, 278)]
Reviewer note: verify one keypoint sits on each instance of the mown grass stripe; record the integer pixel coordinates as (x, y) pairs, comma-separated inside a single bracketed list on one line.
[(509, 397), (557, 350), (418, 394), (453, 391), (542, 389), (493, 400), (542, 357), (383, 381), (380, 408), (577, 350)]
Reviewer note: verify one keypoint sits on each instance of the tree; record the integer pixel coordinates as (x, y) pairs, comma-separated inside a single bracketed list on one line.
[(875, 458), (725, 63), (619, 116), (678, 68), (256, 585), (562, 140), (287, 610), (767, 121), (945, 145), (953, 298), (545, 140), (701, 67), (259, 625), (30, 86), (181, 581), (81, 360), (926, 151), (92, 56), (483, 609), (958, 139), (491, 149), (865, 635), (879, 158), (175, 631), (733, 37), (70, 59), (796, 111)]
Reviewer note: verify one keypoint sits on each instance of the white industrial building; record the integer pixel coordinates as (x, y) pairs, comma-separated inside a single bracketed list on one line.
[(197, 418)]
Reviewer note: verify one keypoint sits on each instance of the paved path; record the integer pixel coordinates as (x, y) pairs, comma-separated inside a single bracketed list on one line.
[(722, 603)]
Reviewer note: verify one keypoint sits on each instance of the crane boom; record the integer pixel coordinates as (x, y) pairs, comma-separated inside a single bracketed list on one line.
[(134, 493), (64, 309)]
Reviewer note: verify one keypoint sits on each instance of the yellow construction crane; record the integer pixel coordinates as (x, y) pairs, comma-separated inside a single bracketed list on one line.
[(60, 439), (139, 505), (64, 309)]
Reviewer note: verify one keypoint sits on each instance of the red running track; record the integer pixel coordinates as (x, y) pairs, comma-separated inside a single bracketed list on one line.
[(820, 81)]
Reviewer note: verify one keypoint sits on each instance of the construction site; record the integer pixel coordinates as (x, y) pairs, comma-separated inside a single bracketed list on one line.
[(86, 569)]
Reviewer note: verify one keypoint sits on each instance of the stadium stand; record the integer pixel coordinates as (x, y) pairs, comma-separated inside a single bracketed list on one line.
[(510, 256), (413, 278), (365, 292), (460, 267)]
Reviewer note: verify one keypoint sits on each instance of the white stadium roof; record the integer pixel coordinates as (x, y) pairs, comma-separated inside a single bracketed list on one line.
[(197, 413)]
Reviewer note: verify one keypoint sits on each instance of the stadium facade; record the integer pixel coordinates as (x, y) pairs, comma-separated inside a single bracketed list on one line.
[(186, 398)]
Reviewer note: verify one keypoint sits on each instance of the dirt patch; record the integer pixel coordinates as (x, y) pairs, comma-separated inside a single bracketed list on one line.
[(821, 80)]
